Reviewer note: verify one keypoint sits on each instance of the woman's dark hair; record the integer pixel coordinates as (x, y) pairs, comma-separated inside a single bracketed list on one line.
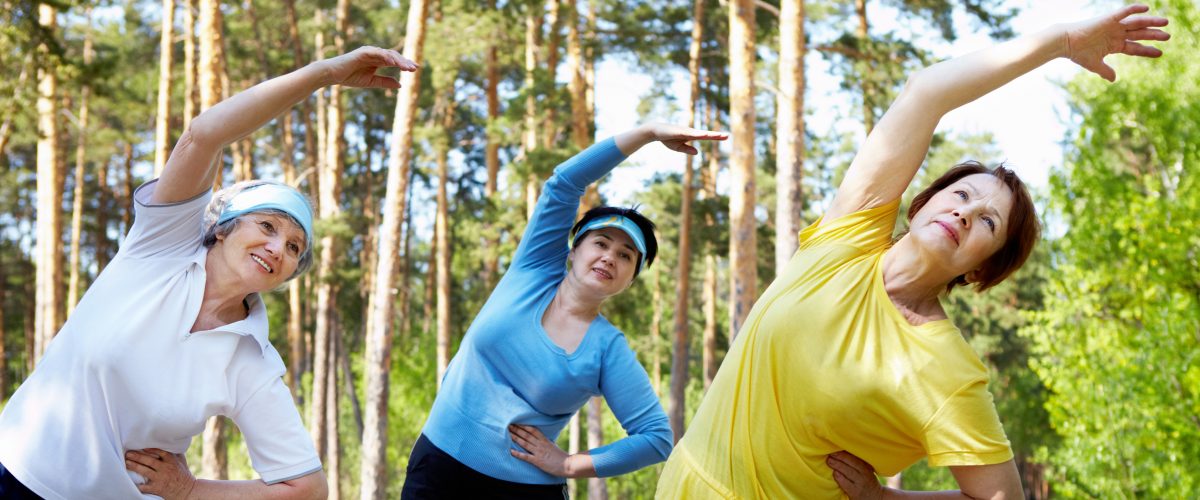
[(1023, 226), (642, 222)]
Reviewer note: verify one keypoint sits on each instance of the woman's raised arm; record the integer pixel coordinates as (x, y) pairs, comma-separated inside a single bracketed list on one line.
[(191, 167), (893, 152)]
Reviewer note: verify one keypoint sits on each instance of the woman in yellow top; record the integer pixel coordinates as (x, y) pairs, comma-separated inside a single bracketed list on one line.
[(849, 349)]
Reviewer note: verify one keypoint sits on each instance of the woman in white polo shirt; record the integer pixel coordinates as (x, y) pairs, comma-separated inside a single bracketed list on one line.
[(174, 331)]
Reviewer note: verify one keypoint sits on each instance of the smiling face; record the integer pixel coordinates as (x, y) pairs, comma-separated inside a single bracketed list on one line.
[(262, 251), (965, 223), (604, 261)]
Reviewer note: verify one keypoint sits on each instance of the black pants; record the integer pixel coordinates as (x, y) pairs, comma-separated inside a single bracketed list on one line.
[(434, 474), (11, 489)]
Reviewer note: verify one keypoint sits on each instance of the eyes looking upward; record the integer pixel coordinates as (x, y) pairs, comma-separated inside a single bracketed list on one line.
[(271, 227)]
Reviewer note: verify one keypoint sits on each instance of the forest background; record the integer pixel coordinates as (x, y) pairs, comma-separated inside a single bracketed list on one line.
[(423, 192)]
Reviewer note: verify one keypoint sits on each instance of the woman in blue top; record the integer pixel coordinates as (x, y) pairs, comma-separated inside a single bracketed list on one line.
[(539, 349)]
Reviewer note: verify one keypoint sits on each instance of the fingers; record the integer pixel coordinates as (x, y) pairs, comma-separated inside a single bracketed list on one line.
[(139, 468), (1137, 49), (147, 460), (843, 482), (1140, 22), (523, 456), (387, 57), (1130, 10)]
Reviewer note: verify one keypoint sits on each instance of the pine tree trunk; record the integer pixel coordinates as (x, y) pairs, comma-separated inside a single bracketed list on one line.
[(3, 331), (589, 67), (573, 435), (443, 233), (550, 121), (100, 236), (163, 117), (333, 448), (213, 462), (191, 87), (679, 351), (211, 92), (867, 90), (597, 489), (491, 261), (295, 335), (656, 343), (328, 208), (379, 330), (210, 67), (709, 189), (789, 132), (743, 255), (533, 32), (49, 192), (80, 157), (127, 187), (581, 127)]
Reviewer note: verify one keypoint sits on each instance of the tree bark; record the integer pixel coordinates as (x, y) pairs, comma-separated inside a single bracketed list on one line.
[(378, 345), (210, 69), (491, 261), (445, 96), (709, 189), (597, 488), (581, 127), (329, 194), (550, 120), (573, 431), (333, 448), (100, 236), (163, 117), (533, 32), (3, 339), (191, 89), (211, 92), (743, 255), (679, 351), (213, 462), (49, 192), (789, 132), (80, 157), (860, 11), (656, 330)]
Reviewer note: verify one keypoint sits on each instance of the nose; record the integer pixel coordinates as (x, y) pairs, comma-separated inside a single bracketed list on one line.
[(962, 214)]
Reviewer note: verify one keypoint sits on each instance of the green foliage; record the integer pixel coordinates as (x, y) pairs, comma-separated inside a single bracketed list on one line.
[(1117, 342)]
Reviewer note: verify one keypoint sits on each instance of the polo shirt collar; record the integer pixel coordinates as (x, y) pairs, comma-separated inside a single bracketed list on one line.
[(255, 325)]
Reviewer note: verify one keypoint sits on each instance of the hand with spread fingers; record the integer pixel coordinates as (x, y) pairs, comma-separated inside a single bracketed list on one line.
[(167, 474), (542, 452), (676, 138), (854, 476), (1089, 41), (357, 68)]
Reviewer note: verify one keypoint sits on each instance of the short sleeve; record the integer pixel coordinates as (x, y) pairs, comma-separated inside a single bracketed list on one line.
[(167, 230), (966, 430), (279, 445), (865, 229)]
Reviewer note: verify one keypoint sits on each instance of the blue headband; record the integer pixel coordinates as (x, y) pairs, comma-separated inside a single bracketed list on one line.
[(620, 222), (271, 196)]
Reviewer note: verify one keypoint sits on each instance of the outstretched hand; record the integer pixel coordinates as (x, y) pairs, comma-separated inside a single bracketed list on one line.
[(676, 138), (1117, 33), (357, 68)]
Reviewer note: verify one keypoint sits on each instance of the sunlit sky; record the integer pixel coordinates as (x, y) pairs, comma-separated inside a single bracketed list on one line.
[(1028, 117)]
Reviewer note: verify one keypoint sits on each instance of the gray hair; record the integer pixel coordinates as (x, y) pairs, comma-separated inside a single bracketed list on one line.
[(213, 230)]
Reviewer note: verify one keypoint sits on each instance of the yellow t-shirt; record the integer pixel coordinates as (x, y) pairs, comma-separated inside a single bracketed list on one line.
[(825, 363)]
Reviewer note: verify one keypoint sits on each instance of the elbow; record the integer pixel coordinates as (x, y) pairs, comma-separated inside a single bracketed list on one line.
[(664, 443), (201, 133)]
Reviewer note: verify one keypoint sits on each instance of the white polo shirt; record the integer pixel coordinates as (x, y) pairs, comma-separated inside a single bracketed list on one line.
[(124, 373)]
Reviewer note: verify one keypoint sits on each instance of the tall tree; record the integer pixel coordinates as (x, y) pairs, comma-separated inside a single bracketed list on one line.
[(743, 254), (443, 78), (163, 117), (191, 66), (49, 189), (80, 157), (681, 337), (789, 132), (210, 71), (529, 142), (491, 263), (709, 190), (597, 488), (378, 346)]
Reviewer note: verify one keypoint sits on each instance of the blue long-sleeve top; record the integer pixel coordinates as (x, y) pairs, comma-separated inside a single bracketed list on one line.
[(508, 371)]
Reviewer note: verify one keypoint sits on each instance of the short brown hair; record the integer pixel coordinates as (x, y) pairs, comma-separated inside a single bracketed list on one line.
[(1023, 227)]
